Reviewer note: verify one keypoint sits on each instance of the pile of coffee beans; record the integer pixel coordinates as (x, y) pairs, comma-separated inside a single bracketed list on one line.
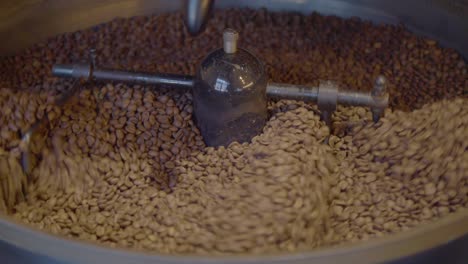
[(285, 191), (126, 166), (407, 169), (302, 49)]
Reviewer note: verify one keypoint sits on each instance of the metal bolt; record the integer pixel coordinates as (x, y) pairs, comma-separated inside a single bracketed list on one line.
[(230, 37), (379, 95), (380, 86), (92, 57)]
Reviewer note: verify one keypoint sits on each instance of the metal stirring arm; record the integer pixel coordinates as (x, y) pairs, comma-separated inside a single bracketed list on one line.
[(85, 71), (33, 134), (32, 137), (327, 95)]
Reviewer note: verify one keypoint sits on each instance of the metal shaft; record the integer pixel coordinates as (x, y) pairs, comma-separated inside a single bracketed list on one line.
[(86, 71), (196, 15), (292, 92), (327, 95), (354, 98), (311, 94)]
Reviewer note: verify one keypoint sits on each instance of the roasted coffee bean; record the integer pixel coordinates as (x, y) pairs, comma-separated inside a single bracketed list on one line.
[(125, 165)]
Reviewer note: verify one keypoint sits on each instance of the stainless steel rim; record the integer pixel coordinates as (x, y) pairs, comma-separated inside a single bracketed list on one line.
[(391, 247)]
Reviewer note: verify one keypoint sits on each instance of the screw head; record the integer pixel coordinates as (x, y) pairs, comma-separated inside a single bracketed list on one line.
[(380, 86)]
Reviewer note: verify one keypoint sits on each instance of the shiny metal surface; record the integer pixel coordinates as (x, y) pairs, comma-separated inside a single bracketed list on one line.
[(327, 100), (292, 92), (443, 20), (84, 71), (197, 13), (328, 96)]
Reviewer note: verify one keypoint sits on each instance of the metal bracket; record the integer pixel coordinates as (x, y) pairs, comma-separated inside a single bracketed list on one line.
[(327, 100)]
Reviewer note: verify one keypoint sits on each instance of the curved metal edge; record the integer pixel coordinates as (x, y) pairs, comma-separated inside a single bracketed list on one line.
[(57, 17), (392, 247), (431, 19)]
